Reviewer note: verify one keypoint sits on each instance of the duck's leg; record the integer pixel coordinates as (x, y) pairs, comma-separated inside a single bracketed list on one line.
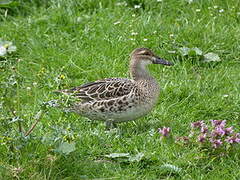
[(110, 125)]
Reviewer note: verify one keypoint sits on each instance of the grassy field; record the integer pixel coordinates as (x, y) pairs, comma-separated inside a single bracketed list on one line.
[(62, 44)]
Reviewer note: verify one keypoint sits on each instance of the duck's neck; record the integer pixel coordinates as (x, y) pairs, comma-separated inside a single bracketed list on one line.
[(138, 70)]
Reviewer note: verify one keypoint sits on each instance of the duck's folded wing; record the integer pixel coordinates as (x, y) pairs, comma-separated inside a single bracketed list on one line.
[(102, 89)]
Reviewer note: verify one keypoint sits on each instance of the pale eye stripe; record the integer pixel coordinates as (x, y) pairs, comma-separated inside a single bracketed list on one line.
[(142, 52)]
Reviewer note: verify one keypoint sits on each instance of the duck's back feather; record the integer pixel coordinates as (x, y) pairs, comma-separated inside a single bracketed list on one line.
[(104, 89)]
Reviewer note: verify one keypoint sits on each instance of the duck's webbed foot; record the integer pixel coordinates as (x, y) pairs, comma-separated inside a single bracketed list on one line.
[(110, 125)]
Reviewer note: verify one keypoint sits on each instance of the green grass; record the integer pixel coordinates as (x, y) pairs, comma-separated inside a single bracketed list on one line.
[(82, 42)]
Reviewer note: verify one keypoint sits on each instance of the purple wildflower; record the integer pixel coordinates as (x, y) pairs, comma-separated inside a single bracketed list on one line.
[(233, 139), (164, 131), (204, 129), (230, 139), (220, 123), (216, 143), (202, 138), (197, 124), (218, 131), (229, 130)]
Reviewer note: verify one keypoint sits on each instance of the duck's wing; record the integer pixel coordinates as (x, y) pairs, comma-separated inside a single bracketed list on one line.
[(102, 89)]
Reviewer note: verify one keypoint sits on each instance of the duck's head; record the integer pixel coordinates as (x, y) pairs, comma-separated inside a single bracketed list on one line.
[(146, 56)]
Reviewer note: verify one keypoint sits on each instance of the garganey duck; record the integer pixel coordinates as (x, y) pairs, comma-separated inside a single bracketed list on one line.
[(116, 100)]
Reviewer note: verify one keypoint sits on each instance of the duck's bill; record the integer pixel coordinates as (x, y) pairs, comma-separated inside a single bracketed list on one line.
[(159, 60)]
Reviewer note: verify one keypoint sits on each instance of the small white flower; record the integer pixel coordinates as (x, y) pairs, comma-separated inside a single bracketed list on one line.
[(171, 35), (134, 33), (221, 10), (131, 39), (198, 20), (118, 22), (159, 0), (28, 88), (225, 95), (145, 39), (134, 15), (3, 50), (34, 84), (137, 6), (198, 10), (154, 32), (215, 7), (11, 49)]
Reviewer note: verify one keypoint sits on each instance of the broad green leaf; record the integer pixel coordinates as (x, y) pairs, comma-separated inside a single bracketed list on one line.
[(5, 2), (191, 52), (136, 158), (8, 3), (197, 51), (184, 51), (211, 57), (117, 155), (171, 167), (66, 148)]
